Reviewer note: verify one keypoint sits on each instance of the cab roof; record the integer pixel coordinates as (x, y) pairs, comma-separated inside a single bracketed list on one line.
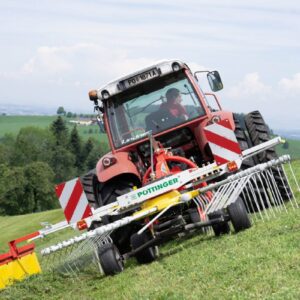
[(118, 85)]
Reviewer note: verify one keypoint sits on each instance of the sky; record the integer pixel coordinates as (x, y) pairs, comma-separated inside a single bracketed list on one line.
[(54, 51)]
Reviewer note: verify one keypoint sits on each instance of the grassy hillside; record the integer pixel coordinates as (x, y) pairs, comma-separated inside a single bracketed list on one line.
[(260, 263)]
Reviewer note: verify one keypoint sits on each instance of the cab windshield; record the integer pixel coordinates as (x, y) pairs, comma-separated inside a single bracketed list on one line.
[(154, 106)]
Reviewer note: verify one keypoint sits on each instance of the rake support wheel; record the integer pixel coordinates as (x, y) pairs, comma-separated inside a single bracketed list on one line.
[(238, 215), (221, 228), (110, 259), (146, 255)]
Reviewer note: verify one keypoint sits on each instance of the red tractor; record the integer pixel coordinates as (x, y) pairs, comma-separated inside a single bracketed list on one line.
[(161, 106)]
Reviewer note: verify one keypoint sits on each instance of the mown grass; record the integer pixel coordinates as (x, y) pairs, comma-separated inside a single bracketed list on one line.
[(260, 263)]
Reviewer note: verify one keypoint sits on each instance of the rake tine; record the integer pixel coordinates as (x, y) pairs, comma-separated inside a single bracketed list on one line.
[(225, 197), (277, 206), (249, 200), (296, 181), (237, 191), (266, 195), (278, 192), (283, 183), (260, 198), (294, 177), (255, 199), (278, 202), (245, 201)]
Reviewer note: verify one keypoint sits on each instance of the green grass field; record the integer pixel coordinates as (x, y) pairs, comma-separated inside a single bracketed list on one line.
[(260, 263), (12, 125)]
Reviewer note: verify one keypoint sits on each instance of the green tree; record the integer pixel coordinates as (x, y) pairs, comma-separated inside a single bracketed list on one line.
[(88, 147), (7, 145), (69, 114), (40, 186), (60, 131), (12, 187), (61, 111), (62, 163), (75, 146), (32, 144)]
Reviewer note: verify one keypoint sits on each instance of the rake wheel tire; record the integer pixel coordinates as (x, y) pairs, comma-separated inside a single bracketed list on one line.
[(221, 228), (238, 215), (110, 259), (146, 255), (258, 133)]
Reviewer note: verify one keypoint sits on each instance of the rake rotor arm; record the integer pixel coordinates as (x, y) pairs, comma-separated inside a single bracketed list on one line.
[(259, 168), (262, 147)]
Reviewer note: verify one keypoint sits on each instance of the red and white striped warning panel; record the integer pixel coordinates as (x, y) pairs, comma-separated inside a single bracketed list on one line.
[(222, 142), (73, 200)]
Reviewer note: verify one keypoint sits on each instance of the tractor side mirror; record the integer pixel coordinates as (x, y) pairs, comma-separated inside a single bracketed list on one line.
[(214, 80)]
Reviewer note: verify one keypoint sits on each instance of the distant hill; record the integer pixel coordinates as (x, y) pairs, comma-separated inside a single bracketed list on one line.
[(288, 134), (13, 109)]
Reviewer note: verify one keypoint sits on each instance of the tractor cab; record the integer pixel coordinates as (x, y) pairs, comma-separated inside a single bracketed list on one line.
[(156, 106), (164, 101)]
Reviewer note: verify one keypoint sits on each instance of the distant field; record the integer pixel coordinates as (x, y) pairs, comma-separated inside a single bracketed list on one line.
[(293, 149), (12, 124)]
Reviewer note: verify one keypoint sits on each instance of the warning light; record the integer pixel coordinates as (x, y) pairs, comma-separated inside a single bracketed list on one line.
[(81, 225), (232, 166)]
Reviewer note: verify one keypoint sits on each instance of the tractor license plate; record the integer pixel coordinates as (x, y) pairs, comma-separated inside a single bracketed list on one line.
[(132, 81)]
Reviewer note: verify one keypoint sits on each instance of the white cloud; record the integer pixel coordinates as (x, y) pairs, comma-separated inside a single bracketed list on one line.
[(291, 85), (47, 59), (276, 102), (94, 58), (250, 86)]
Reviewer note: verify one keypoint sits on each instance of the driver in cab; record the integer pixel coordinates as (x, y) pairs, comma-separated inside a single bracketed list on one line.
[(173, 104)]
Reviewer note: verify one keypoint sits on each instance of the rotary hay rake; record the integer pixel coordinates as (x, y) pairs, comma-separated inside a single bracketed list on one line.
[(81, 252)]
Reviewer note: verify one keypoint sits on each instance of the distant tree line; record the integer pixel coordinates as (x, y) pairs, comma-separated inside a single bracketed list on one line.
[(62, 112), (32, 162)]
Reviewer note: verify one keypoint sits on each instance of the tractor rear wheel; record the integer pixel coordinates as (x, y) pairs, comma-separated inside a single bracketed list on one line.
[(146, 255), (238, 215), (258, 133), (243, 140), (110, 259)]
